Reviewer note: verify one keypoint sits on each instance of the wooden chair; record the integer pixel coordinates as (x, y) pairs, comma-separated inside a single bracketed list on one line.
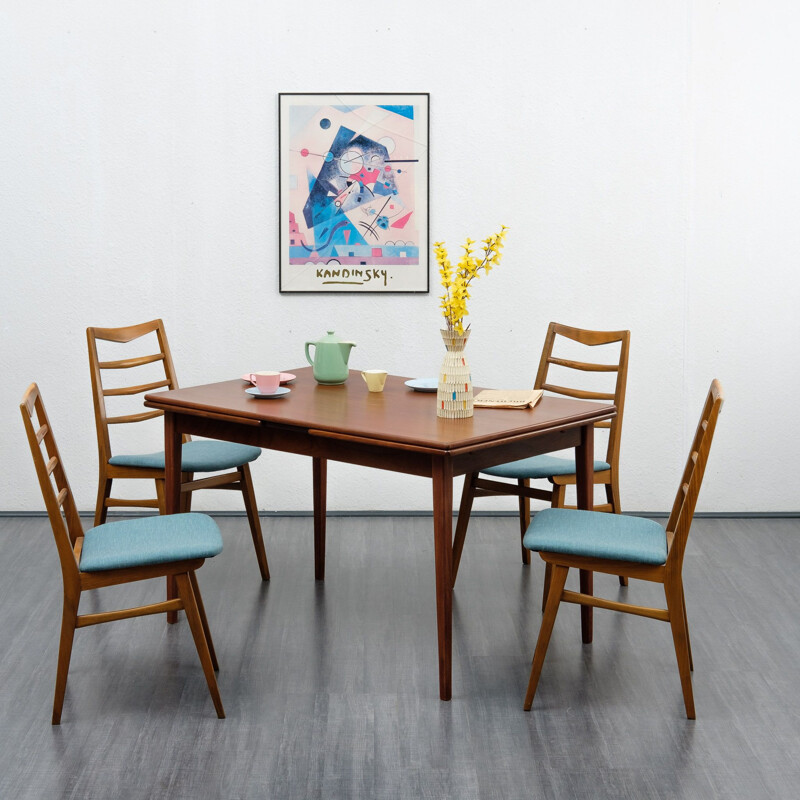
[(632, 546), (559, 471), (197, 456), (119, 552)]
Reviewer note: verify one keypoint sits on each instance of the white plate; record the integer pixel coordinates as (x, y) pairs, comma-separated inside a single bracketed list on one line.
[(286, 377), (280, 392), (423, 384)]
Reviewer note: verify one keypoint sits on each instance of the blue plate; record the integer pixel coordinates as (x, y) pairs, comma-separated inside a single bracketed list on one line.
[(423, 384), (279, 392)]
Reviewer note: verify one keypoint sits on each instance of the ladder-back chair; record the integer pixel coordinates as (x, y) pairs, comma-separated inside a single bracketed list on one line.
[(173, 547), (633, 546), (560, 472), (229, 459)]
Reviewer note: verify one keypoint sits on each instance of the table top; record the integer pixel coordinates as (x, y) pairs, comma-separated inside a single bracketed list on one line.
[(396, 415)]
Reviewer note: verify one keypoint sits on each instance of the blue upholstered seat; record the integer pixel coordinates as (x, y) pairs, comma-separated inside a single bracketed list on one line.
[(201, 456), (597, 535), (150, 540), (539, 467)]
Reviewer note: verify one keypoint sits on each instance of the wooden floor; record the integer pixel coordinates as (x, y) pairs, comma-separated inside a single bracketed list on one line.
[(331, 690)]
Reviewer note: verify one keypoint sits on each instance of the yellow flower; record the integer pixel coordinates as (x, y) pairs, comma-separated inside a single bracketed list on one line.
[(455, 282)]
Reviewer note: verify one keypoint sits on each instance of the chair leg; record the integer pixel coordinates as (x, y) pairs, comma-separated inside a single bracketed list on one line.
[(557, 501), (524, 519), (686, 624), (251, 508), (103, 493), (677, 620), (612, 494), (69, 618), (195, 623), (186, 497), (161, 496), (548, 572), (203, 619), (172, 593), (612, 497), (559, 578), (464, 510)]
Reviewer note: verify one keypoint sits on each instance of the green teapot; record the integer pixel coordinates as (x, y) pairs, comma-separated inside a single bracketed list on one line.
[(330, 359)]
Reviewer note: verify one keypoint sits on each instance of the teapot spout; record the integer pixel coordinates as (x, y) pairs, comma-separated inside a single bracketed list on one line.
[(345, 348)]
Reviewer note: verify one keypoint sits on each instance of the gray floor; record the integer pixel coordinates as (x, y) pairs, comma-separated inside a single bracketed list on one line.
[(331, 690)]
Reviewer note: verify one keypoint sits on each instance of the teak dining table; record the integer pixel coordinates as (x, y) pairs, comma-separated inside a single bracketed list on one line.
[(395, 430)]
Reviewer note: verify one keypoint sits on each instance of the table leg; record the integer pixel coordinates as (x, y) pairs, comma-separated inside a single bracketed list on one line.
[(584, 478), (443, 553), (172, 488), (320, 469), (172, 463)]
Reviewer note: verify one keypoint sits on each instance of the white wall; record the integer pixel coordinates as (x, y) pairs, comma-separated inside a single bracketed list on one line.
[(643, 153)]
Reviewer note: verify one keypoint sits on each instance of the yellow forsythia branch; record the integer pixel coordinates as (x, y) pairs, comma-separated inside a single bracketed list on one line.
[(456, 280)]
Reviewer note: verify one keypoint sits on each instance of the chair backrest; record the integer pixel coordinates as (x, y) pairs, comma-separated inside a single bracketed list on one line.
[(619, 367), (58, 499), (680, 519), (99, 392)]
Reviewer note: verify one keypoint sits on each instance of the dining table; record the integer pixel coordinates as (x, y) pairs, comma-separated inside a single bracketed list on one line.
[(396, 430)]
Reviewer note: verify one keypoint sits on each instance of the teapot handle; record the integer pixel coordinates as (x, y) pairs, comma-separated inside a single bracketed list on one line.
[(308, 357)]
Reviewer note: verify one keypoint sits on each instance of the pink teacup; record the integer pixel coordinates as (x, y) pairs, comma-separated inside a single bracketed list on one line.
[(266, 382)]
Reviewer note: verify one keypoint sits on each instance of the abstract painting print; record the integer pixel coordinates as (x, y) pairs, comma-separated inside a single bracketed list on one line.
[(354, 192)]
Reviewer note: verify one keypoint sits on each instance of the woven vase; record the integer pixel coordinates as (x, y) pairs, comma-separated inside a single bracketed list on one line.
[(454, 393)]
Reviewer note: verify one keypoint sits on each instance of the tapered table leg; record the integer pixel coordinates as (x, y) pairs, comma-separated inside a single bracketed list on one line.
[(172, 487), (172, 464), (320, 470), (443, 552), (584, 464)]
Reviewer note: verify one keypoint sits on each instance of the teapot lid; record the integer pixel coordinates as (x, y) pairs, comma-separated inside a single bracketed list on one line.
[(332, 338)]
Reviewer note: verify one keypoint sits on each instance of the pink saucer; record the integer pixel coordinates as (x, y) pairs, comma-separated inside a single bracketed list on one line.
[(285, 377)]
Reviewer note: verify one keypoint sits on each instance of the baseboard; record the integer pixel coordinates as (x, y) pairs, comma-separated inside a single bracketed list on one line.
[(268, 514)]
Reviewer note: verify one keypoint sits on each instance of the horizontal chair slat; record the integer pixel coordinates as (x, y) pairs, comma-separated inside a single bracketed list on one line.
[(613, 605), (583, 365), (488, 488), (30, 398), (595, 507), (41, 433), (134, 417), (140, 389), (51, 465), (84, 620), (230, 480), (118, 501), (580, 394), (125, 363)]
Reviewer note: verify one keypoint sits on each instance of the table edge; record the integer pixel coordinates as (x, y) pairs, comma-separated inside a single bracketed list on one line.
[(159, 401)]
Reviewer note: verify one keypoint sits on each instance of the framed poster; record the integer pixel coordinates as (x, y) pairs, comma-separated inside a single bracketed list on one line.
[(354, 192)]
